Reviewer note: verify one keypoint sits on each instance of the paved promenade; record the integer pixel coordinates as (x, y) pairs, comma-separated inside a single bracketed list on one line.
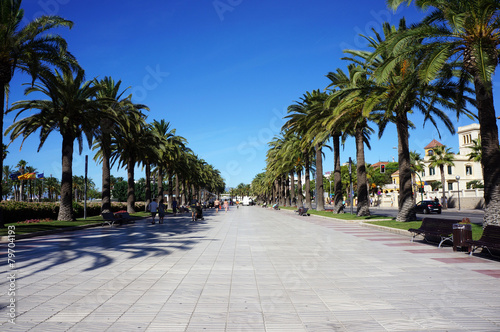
[(250, 269)]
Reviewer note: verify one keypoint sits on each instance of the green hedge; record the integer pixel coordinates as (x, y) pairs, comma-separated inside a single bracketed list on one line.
[(21, 211)]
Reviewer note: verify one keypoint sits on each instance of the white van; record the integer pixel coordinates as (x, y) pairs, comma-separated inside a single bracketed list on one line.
[(246, 201)]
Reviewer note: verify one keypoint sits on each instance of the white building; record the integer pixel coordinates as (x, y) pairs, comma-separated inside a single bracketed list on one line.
[(466, 169)]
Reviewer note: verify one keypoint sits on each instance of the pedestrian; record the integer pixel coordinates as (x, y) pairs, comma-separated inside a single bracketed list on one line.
[(217, 205), (226, 205), (174, 206), (161, 212), (193, 204), (153, 208)]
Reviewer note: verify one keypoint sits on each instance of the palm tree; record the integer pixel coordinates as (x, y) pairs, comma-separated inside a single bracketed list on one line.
[(71, 110), (21, 165), (349, 113), (53, 187), (441, 157), (475, 154), (128, 146), (417, 165), (28, 49), (111, 104), (469, 31), (398, 90)]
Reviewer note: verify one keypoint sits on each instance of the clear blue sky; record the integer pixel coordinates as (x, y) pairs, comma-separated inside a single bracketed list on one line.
[(222, 72)]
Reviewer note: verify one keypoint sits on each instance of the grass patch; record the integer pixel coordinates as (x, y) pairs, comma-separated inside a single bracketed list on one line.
[(477, 230), (343, 216), (55, 224)]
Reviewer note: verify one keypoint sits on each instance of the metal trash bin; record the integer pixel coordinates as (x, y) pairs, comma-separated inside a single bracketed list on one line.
[(461, 233)]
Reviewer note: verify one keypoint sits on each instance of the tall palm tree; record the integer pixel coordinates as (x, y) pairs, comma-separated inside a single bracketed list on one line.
[(71, 110), (469, 31), (112, 103), (27, 48), (398, 90), (349, 113), (417, 165), (127, 147), (442, 156)]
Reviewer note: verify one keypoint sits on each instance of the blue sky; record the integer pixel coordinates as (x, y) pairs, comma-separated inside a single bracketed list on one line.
[(222, 72)]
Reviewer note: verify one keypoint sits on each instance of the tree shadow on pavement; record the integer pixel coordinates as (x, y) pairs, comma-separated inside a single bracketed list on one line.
[(102, 244)]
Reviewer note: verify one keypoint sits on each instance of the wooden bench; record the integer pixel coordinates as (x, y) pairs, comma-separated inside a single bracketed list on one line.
[(110, 218), (489, 240), (442, 228)]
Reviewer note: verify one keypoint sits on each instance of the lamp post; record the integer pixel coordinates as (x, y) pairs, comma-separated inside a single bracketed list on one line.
[(458, 190)]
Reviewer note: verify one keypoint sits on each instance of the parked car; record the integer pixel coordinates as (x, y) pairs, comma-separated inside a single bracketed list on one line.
[(427, 207)]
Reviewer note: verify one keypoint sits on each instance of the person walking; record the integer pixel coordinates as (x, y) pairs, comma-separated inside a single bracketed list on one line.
[(161, 212), (217, 205), (153, 208), (193, 204), (226, 205), (174, 206)]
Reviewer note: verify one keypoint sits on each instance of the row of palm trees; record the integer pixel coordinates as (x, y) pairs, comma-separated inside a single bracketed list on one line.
[(98, 112), (444, 63)]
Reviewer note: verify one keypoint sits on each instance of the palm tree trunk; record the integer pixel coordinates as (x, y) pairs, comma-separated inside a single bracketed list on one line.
[(490, 153), (363, 207), (320, 199), (170, 189), (292, 188), (443, 185), (177, 188), (148, 185), (337, 177), (159, 196), (300, 197), (66, 204), (131, 186), (406, 211), (106, 125), (308, 181)]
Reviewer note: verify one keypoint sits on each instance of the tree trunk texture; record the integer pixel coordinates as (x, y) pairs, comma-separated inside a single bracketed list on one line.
[(490, 152), (292, 189), (363, 206), (320, 198), (148, 186), (337, 177), (131, 186), (406, 208), (106, 125), (159, 196), (307, 173), (300, 196), (66, 204)]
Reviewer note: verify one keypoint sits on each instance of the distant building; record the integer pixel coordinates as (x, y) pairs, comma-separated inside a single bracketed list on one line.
[(468, 170)]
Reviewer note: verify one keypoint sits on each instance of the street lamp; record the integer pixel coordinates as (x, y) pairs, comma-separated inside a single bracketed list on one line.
[(458, 189)]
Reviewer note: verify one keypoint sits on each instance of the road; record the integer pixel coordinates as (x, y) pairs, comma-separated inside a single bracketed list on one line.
[(475, 216)]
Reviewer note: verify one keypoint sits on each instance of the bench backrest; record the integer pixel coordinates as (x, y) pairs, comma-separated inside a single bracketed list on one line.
[(436, 224), (491, 233), (108, 215)]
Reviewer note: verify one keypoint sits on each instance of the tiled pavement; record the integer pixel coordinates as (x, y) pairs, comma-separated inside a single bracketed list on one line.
[(250, 269)]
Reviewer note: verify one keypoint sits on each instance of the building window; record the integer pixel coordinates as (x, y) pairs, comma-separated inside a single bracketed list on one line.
[(450, 185), (468, 170), (450, 170), (432, 171), (423, 172), (430, 153)]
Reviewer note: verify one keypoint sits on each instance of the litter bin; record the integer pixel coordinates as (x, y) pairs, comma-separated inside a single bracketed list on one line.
[(461, 233)]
